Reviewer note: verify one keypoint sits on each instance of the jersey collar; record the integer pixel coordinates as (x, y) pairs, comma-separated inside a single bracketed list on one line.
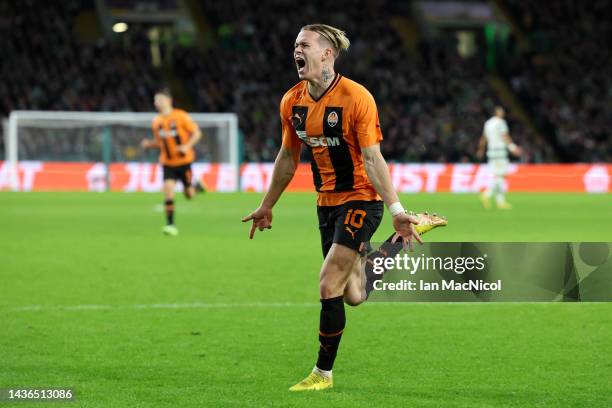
[(329, 88)]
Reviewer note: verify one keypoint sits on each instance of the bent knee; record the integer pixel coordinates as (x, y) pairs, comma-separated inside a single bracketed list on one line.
[(352, 301), (329, 289)]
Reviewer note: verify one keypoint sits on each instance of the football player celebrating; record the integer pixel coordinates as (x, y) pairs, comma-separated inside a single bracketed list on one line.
[(336, 119)]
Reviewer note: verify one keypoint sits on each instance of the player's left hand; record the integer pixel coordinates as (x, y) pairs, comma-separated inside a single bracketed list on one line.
[(404, 226), (517, 151), (183, 148), (262, 219)]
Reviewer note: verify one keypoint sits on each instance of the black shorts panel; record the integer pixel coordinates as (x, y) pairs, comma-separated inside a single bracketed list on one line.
[(351, 224), (182, 173)]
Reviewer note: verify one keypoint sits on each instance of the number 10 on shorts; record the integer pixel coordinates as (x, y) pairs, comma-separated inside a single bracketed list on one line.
[(355, 218)]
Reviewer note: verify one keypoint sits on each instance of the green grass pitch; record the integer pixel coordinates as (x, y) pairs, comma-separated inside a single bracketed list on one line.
[(93, 297)]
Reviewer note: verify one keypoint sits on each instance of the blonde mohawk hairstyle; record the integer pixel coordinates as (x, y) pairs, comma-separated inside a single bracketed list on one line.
[(336, 37)]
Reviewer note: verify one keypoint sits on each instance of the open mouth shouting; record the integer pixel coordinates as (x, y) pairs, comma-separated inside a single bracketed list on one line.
[(300, 63)]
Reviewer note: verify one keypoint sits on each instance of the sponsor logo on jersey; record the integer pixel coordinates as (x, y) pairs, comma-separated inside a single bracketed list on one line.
[(167, 133), (320, 141), (324, 141)]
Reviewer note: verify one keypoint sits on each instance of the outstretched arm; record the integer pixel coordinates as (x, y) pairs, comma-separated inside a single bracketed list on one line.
[(513, 148), (282, 174), (482, 144), (378, 173), (149, 143), (284, 169)]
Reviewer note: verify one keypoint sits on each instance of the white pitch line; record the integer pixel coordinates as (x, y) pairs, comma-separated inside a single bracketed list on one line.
[(196, 305), (200, 305)]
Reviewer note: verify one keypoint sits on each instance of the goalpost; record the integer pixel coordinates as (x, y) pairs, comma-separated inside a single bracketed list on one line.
[(106, 137)]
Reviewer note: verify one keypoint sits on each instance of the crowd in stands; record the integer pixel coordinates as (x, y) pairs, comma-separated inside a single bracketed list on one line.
[(45, 66), (566, 77), (432, 102)]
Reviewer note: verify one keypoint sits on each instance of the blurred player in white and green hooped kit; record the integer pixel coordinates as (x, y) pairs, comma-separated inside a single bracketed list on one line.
[(496, 139)]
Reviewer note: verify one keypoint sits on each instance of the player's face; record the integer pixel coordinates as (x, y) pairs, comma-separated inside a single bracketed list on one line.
[(309, 55), (162, 102)]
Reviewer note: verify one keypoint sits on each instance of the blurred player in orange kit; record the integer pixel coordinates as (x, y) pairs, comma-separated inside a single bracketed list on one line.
[(175, 135)]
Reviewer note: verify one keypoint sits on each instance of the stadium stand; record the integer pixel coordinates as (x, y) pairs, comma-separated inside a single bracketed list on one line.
[(565, 76), (47, 67), (432, 101), (432, 104)]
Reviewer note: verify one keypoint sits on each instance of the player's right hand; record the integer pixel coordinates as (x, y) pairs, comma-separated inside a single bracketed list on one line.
[(146, 143), (262, 219)]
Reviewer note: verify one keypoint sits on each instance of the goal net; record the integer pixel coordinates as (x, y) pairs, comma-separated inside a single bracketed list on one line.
[(100, 151)]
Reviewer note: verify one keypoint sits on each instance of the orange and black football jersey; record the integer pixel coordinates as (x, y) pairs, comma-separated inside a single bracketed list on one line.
[(334, 127), (171, 131)]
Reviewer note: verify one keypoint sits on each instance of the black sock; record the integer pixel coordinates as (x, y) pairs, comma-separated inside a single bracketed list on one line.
[(169, 206), (388, 249), (330, 331)]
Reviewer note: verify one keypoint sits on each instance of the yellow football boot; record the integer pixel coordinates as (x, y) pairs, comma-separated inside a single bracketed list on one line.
[(314, 382), (504, 205), (485, 200), (427, 222), (170, 230)]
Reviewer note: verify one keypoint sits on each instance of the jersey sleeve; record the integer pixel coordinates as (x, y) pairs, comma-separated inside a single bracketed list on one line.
[(290, 138), (188, 124), (367, 124), (503, 127)]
